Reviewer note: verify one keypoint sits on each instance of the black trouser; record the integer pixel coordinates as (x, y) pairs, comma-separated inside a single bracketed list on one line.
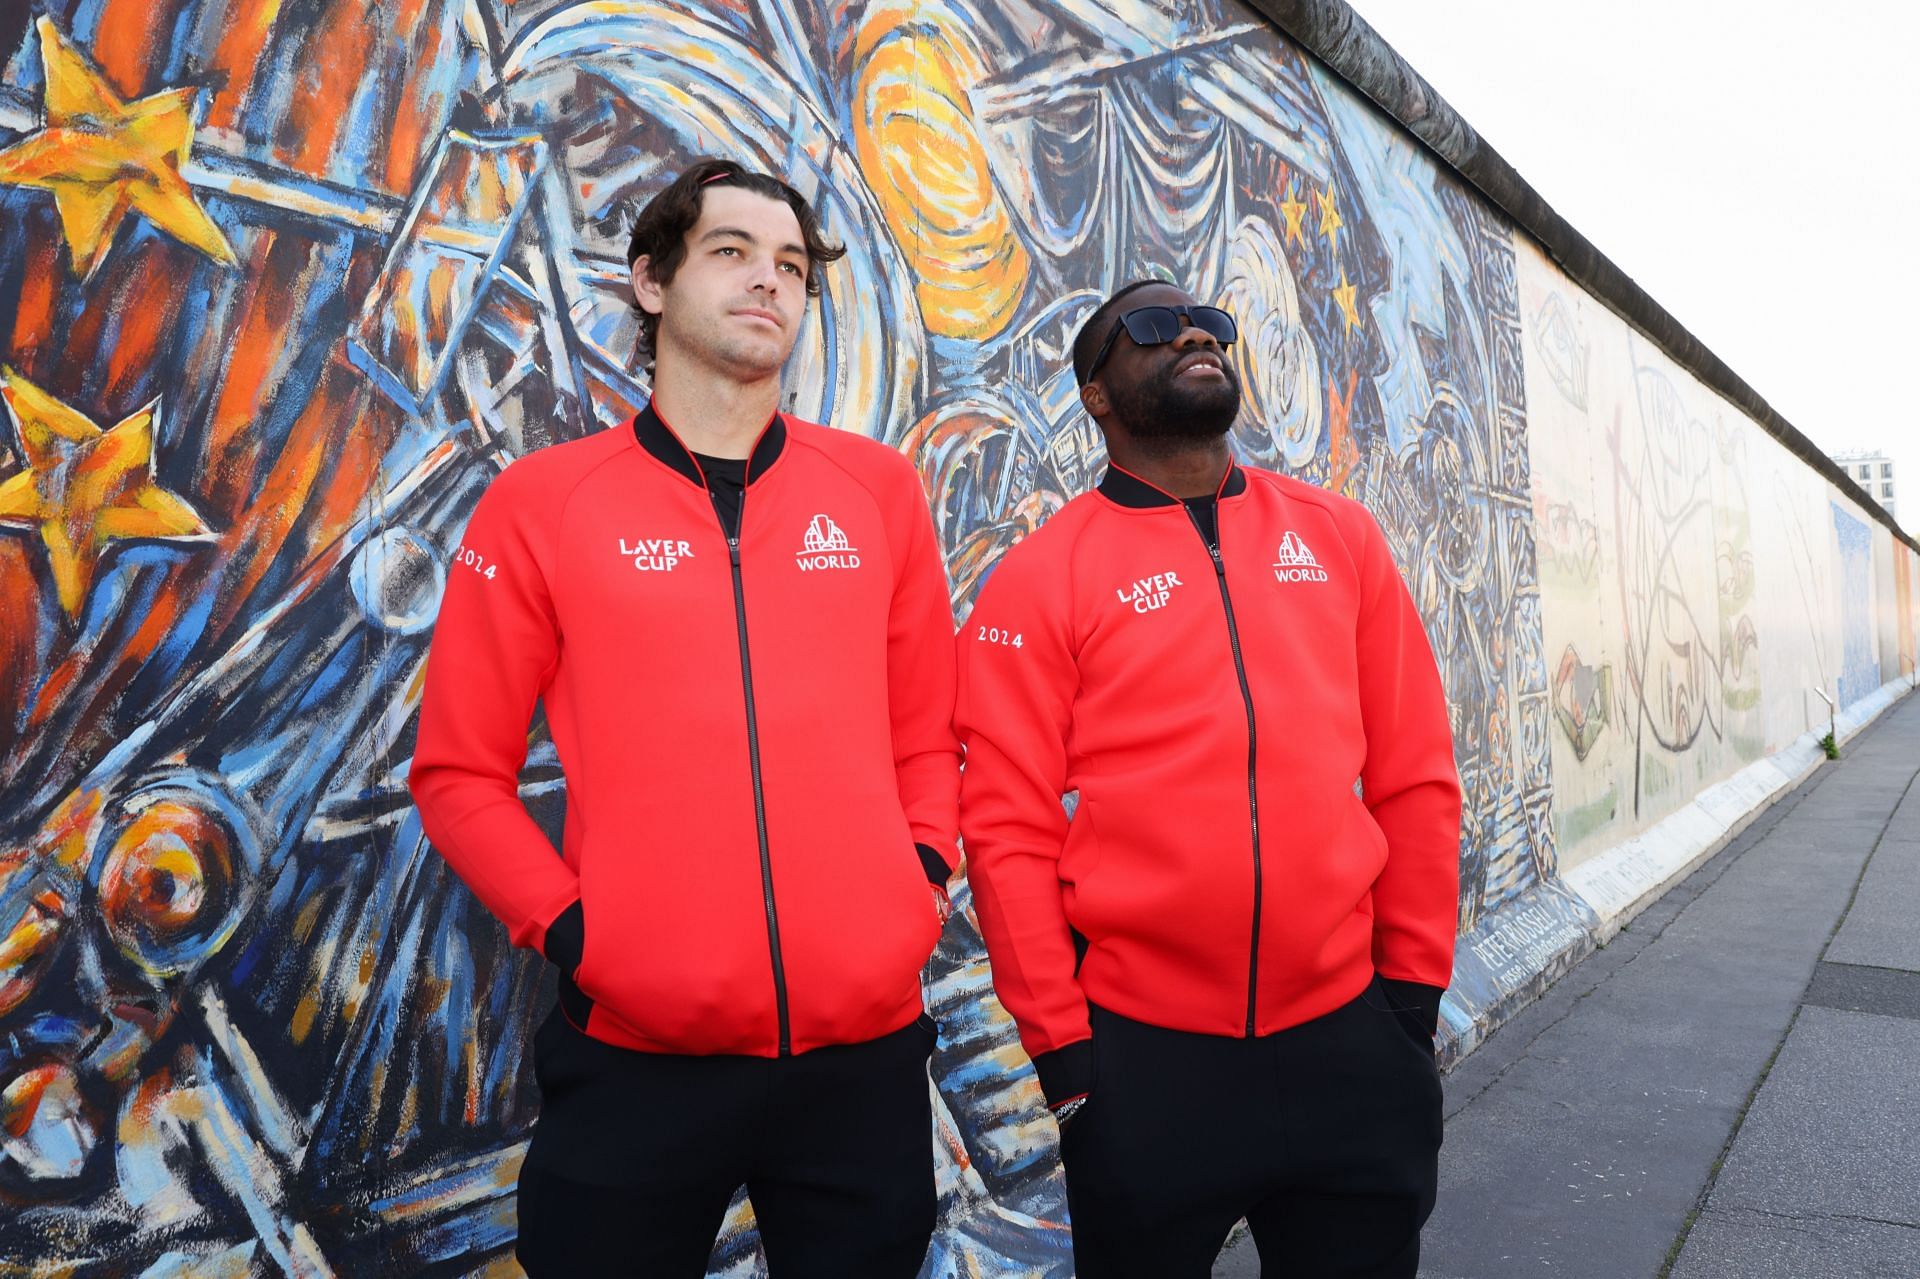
[(1324, 1136), (636, 1155)]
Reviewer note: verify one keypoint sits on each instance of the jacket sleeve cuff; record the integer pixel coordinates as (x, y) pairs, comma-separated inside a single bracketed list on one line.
[(1066, 1073), (935, 865), (566, 940), (1416, 1004)]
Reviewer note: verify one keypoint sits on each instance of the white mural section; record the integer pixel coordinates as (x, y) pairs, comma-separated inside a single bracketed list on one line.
[(1712, 606)]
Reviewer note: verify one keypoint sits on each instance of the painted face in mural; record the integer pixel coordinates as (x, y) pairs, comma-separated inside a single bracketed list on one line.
[(734, 304), (1184, 391)]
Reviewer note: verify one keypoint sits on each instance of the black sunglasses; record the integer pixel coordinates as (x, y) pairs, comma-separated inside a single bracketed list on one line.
[(1159, 325)]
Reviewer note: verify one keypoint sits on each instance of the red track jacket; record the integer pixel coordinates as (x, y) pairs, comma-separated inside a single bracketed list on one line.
[(755, 734), (1213, 708)]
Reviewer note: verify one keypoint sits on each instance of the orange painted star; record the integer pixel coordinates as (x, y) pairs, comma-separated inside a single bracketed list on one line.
[(84, 487), (102, 156), (1342, 454), (1330, 222), (1343, 297), (1295, 211)]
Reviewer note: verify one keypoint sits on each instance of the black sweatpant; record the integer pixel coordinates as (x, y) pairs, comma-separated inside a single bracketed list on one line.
[(636, 1155), (1324, 1136)]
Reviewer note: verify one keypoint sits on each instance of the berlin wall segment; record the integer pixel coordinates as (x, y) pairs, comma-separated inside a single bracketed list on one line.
[(249, 1018)]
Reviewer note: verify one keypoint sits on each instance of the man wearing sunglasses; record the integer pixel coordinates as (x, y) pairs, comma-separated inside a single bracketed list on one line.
[(1227, 963)]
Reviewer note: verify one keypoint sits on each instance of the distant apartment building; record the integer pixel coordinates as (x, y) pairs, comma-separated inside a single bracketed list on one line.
[(1874, 473)]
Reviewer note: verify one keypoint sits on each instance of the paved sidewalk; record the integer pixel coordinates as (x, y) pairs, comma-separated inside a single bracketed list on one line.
[(1730, 1089)]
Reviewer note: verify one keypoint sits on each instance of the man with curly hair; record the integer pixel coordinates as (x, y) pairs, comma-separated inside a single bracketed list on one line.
[(739, 627)]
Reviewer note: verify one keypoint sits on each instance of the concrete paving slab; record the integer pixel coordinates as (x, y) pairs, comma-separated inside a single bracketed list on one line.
[(1833, 1133), (1239, 1261), (1740, 1244), (1890, 992), (1590, 1152), (1587, 1153), (1883, 928)]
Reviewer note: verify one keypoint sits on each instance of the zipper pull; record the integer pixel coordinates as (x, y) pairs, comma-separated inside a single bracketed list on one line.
[(733, 551), (1218, 567)]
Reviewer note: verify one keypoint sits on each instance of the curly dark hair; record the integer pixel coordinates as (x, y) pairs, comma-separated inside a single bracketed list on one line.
[(660, 231)]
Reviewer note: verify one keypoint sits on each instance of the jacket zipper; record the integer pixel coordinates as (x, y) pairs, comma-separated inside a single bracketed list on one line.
[(753, 756), (1253, 794)]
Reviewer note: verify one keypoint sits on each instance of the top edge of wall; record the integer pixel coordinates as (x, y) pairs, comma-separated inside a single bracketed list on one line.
[(1341, 39)]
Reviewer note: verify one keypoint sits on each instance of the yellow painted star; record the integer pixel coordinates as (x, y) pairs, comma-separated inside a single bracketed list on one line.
[(1330, 222), (101, 156), (1344, 297), (84, 487), (1295, 211)]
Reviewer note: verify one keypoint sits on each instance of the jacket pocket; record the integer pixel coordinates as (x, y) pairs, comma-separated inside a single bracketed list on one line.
[(1080, 863)]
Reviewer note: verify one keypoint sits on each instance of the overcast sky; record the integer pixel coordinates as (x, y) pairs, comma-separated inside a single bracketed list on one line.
[(1752, 165)]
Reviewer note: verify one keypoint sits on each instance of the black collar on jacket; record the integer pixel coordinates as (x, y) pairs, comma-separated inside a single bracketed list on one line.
[(657, 438), (1127, 489)]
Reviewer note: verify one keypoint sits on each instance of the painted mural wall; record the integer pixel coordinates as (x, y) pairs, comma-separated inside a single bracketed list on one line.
[(283, 285), (1703, 587)]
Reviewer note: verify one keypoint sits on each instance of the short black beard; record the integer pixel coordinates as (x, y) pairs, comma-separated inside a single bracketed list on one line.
[(1163, 416)]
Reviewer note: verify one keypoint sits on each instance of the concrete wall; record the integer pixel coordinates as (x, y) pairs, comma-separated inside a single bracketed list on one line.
[(1700, 583), (1703, 589), (267, 339)]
